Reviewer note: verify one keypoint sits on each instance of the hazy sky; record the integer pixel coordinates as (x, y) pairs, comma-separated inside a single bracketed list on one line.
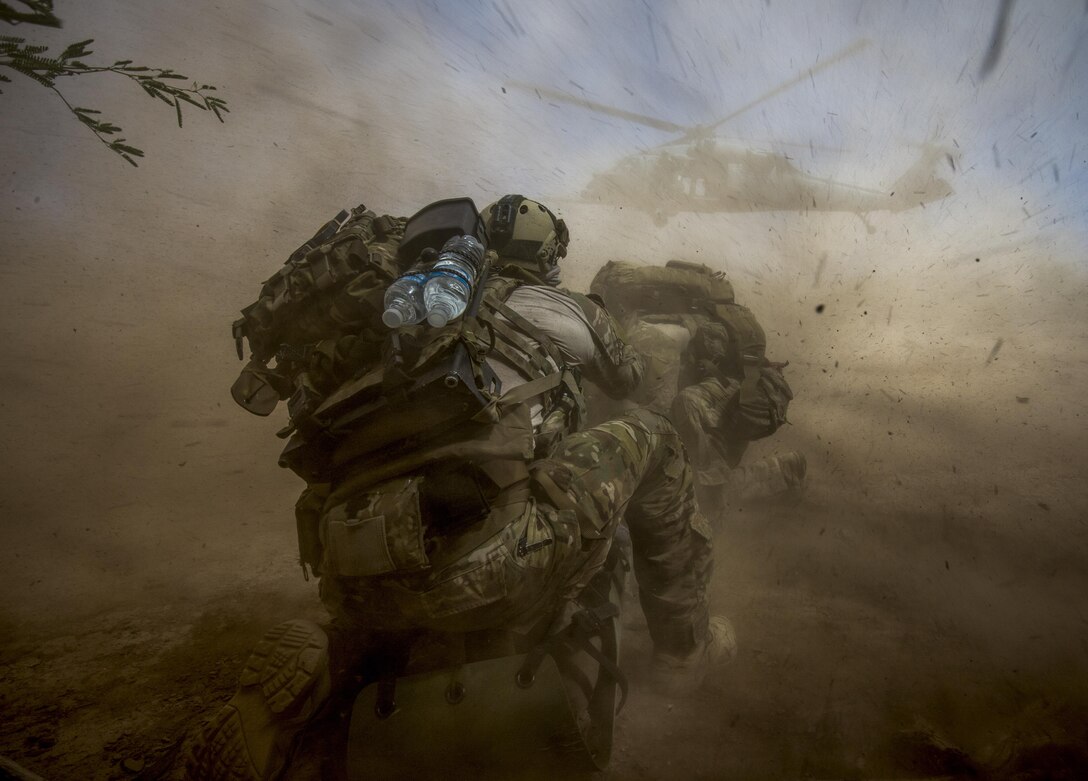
[(691, 62), (429, 75)]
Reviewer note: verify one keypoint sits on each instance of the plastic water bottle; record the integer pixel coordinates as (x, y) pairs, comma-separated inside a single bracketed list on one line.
[(452, 279), (404, 300)]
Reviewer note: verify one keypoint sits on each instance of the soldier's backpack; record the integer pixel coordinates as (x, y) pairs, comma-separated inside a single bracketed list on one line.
[(725, 338), (678, 288), (369, 405), (330, 286)]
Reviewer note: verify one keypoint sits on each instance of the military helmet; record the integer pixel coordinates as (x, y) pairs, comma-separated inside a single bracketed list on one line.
[(526, 233)]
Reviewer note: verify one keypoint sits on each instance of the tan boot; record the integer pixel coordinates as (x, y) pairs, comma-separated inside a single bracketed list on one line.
[(284, 682), (678, 676)]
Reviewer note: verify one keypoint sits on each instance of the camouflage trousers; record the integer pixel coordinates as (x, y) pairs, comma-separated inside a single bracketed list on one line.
[(555, 535)]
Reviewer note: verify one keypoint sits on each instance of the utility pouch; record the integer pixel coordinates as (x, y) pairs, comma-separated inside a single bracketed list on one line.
[(762, 404), (257, 389), (376, 533), (456, 495), (309, 457), (308, 526), (375, 418)]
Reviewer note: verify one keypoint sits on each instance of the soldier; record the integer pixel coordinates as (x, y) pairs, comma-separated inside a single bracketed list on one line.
[(717, 416), (707, 370), (499, 521)]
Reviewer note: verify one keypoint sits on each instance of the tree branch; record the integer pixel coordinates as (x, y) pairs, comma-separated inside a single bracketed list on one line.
[(35, 63)]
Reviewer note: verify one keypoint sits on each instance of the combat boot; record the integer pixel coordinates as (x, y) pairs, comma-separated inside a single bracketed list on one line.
[(794, 467), (284, 683), (678, 676)]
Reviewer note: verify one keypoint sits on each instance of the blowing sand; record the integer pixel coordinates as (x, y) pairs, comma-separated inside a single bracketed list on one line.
[(920, 613)]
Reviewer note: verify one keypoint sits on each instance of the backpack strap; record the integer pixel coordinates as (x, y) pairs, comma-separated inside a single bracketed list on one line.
[(531, 331), (565, 377)]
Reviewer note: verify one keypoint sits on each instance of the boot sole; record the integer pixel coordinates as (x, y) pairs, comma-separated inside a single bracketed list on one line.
[(284, 681)]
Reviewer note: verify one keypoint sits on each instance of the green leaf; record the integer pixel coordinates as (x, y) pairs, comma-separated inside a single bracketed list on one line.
[(187, 99), (35, 62), (120, 146), (77, 49), (43, 80)]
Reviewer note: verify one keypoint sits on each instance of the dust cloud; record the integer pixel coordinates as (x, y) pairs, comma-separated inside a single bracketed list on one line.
[(922, 611)]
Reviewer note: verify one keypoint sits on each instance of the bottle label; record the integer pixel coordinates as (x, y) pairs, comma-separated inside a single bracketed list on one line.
[(448, 272)]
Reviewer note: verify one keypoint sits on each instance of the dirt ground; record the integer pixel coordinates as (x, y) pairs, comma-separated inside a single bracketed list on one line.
[(920, 613)]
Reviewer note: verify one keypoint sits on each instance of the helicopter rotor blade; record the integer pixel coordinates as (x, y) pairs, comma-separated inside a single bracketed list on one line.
[(612, 111), (849, 51), (811, 147)]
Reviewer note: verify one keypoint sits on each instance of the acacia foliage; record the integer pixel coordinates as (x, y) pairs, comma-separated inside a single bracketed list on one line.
[(35, 62)]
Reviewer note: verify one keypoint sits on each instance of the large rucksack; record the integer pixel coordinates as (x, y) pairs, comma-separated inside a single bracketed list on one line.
[(369, 405), (724, 337), (329, 287)]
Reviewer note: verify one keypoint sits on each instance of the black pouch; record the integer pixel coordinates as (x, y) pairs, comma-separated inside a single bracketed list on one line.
[(454, 496), (308, 525), (257, 389), (309, 457)]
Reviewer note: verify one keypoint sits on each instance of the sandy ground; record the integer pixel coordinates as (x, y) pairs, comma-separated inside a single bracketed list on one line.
[(920, 613)]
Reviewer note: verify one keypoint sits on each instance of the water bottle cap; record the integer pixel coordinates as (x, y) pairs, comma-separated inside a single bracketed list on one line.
[(437, 318), (393, 318)]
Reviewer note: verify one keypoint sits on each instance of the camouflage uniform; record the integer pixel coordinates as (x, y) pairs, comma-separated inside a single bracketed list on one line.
[(550, 527), (385, 520), (698, 411), (684, 353), (633, 469), (545, 537)]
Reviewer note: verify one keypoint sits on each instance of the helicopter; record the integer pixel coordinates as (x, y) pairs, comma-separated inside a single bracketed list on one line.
[(701, 172)]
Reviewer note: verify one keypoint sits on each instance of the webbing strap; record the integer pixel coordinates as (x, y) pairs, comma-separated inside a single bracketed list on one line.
[(515, 358), (532, 388), (531, 331), (521, 393), (520, 342), (585, 625)]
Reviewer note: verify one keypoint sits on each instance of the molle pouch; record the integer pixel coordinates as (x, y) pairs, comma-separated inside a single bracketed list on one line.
[(308, 526), (762, 410), (779, 393), (257, 389), (375, 533)]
